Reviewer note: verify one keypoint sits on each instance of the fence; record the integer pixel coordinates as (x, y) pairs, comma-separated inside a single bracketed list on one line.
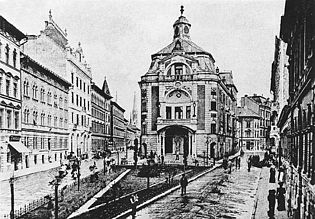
[(44, 200)]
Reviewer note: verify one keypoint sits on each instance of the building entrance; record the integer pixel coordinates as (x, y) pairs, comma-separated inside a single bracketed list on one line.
[(176, 141)]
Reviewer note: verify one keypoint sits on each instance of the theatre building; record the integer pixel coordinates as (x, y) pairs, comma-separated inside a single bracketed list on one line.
[(12, 151), (187, 104)]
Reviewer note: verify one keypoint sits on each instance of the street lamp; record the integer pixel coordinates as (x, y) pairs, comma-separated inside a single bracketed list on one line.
[(194, 105), (12, 196)]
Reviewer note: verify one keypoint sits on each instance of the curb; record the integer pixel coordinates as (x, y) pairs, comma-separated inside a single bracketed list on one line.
[(85, 207), (253, 214), (146, 203)]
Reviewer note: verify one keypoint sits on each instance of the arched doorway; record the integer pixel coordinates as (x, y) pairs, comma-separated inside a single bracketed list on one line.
[(176, 141)]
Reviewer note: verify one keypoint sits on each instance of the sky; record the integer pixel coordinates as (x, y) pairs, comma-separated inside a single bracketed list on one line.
[(118, 37)]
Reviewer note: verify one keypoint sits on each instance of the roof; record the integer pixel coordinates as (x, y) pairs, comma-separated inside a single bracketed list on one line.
[(245, 112), (29, 61), (117, 106), (6, 26), (100, 91), (187, 46)]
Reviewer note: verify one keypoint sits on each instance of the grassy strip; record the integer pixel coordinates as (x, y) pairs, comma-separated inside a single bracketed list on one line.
[(73, 199)]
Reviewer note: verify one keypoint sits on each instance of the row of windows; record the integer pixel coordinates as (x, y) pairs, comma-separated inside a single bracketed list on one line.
[(80, 84), (100, 128), (7, 54), (45, 142), (8, 84), (9, 119), (52, 100), (178, 112), (80, 101), (100, 115), (100, 101), (80, 120), (44, 120)]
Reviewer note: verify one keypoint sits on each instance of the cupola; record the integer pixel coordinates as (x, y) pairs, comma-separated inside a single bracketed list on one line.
[(181, 26)]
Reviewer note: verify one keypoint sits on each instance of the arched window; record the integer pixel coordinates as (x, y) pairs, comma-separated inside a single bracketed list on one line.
[(35, 118), (42, 119)]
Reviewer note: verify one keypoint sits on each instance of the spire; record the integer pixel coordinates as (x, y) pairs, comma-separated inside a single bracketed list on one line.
[(134, 120), (105, 87), (50, 16)]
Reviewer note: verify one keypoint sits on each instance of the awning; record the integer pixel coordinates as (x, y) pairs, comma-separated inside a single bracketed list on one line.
[(19, 147)]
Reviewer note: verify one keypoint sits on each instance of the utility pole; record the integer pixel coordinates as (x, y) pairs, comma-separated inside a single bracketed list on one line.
[(12, 197), (78, 176)]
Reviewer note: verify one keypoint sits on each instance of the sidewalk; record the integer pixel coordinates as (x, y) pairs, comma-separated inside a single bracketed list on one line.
[(262, 202), (31, 187)]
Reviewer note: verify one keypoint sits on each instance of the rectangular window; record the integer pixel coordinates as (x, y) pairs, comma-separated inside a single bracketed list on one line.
[(84, 86), (9, 113), (213, 106), (178, 112), (213, 91), (213, 115), (15, 89), (77, 100), (1, 118), (72, 97), (247, 124), (7, 87), (213, 128), (72, 78), (188, 112), (16, 120), (77, 82), (168, 112), (80, 84)]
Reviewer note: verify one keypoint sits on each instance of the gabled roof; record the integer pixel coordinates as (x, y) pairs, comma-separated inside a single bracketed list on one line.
[(105, 88)]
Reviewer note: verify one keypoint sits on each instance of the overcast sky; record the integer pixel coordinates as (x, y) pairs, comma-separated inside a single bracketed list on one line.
[(118, 37)]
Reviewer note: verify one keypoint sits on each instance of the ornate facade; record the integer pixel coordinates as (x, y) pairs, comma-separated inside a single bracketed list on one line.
[(100, 117), (44, 113), (51, 48), (13, 153), (298, 31), (187, 105), (262, 107)]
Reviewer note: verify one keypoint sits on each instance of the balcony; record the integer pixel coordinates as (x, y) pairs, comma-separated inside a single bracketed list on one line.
[(177, 77), (167, 122)]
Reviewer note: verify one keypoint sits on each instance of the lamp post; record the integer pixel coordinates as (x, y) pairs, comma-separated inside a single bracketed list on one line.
[(194, 105), (56, 196), (207, 143), (12, 196)]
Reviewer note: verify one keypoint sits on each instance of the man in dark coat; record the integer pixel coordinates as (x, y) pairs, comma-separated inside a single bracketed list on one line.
[(280, 197), (183, 184), (272, 203)]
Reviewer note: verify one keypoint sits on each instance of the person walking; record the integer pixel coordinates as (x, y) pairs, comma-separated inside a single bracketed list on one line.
[(249, 163), (162, 159), (183, 184), (230, 166), (239, 162), (272, 203), (280, 197), (272, 178)]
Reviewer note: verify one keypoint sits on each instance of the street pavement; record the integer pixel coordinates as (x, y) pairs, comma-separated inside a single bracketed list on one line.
[(34, 186), (214, 195), (262, 193)]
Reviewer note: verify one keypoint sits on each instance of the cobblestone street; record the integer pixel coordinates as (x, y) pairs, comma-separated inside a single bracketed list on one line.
[(234, 197), (34, 186)]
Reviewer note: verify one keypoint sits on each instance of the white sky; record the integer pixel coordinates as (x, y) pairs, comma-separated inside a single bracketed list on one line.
[(118, 37)]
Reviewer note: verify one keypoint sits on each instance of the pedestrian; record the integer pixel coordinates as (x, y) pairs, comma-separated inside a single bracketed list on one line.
[(134, 201), (272, 178), (280, 197), (162, 159), (183, 183), (272, 203), (230, 166), (239, 162), (249, 163)]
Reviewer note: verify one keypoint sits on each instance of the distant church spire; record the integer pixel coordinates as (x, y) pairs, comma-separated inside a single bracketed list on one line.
[(134, 113)]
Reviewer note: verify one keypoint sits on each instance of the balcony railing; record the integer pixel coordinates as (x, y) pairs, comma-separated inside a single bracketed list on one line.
[(176, 121), (177, 77)]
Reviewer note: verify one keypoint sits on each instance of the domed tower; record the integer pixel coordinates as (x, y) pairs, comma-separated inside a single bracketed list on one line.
[(179, 101), (181, 27)]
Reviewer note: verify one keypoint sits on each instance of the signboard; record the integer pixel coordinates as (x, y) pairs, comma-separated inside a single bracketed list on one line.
[(14, 138)]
